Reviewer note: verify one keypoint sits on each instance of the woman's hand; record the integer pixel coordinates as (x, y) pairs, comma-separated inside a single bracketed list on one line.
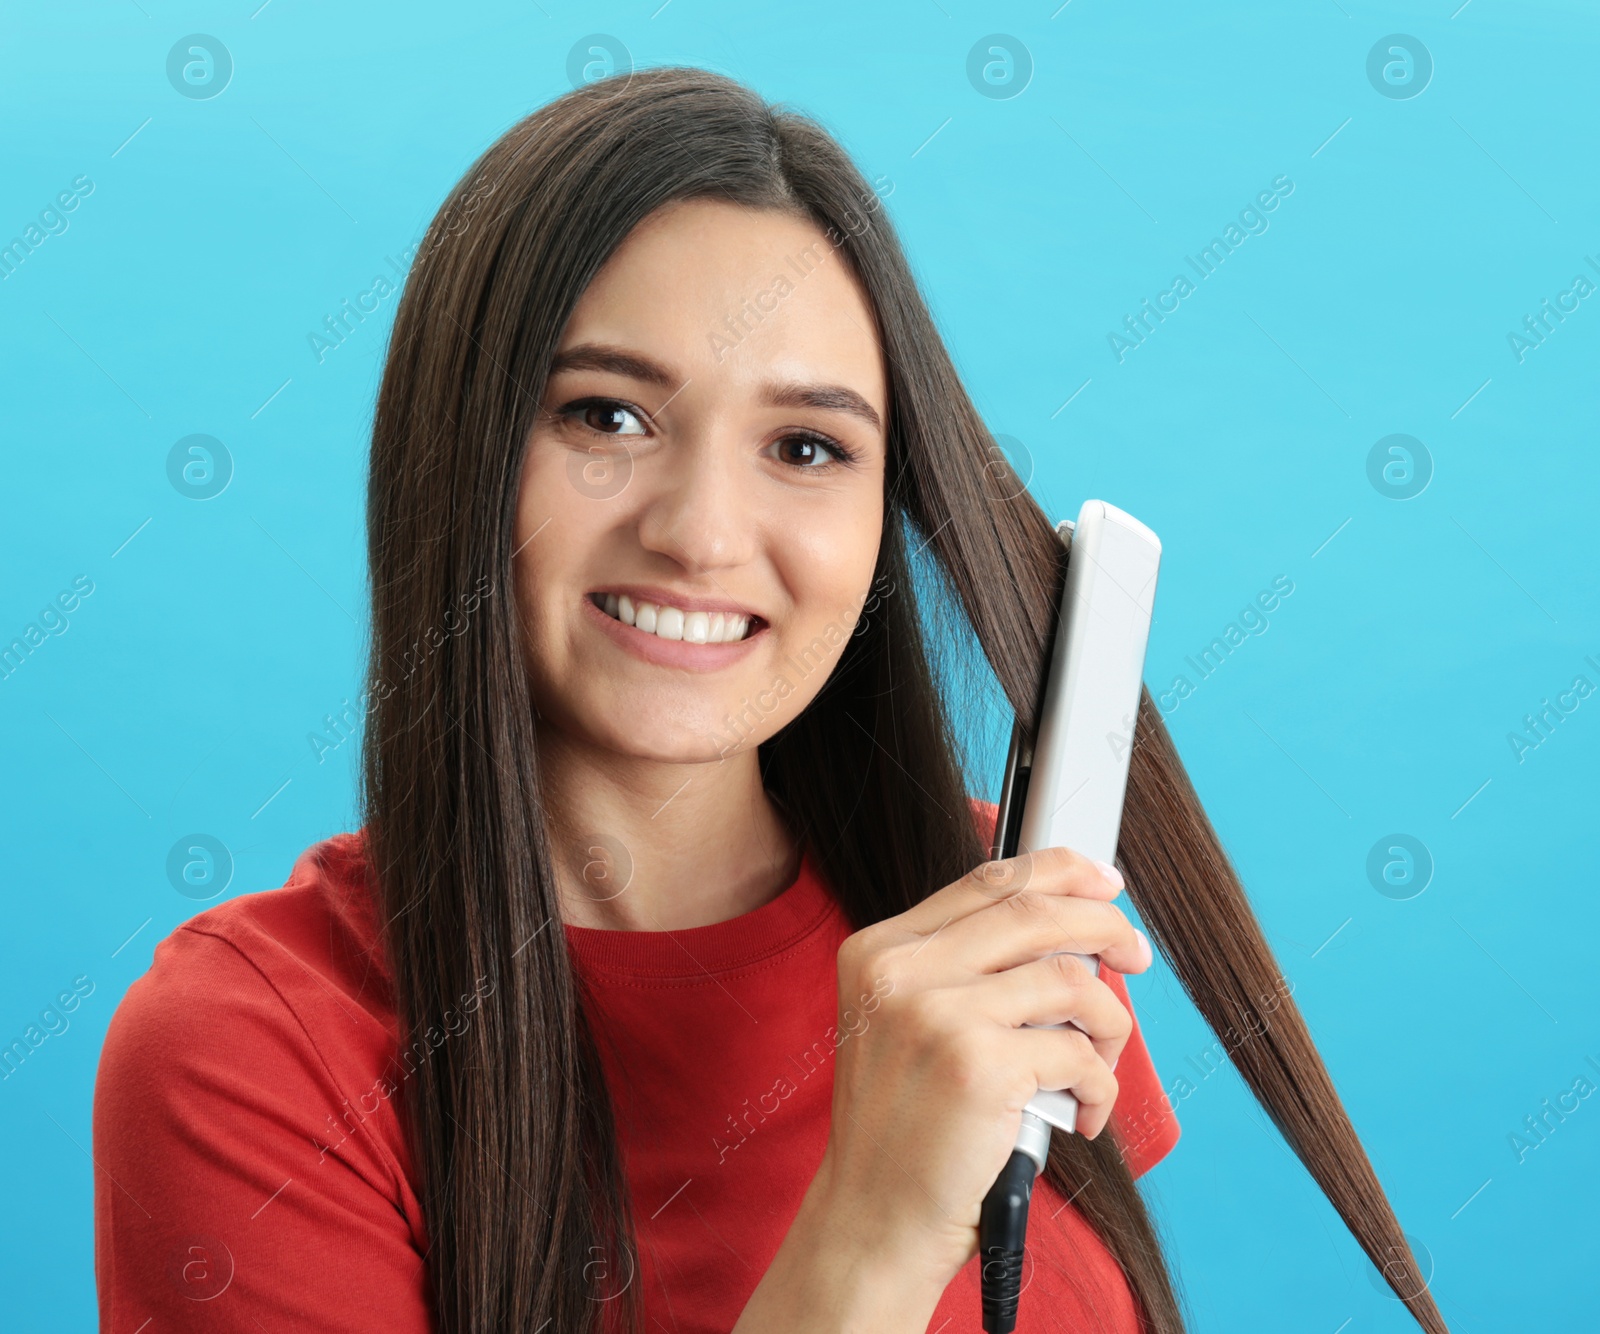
[(930, 1084)]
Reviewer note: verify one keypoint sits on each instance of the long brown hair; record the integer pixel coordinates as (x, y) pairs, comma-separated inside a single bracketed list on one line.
[(510, 1120)]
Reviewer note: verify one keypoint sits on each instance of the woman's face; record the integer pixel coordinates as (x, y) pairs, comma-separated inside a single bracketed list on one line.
[(711, 447)]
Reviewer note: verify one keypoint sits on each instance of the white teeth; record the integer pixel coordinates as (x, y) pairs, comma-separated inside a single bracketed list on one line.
[(693, 627)]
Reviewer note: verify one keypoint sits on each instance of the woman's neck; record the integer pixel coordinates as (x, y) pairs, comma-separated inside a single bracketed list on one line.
[(646, 846)]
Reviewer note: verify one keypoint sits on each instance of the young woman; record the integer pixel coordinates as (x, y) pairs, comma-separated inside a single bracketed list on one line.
[(667, 984)]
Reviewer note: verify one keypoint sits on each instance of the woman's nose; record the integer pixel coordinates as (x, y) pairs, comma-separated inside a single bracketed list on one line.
[(702, 509)]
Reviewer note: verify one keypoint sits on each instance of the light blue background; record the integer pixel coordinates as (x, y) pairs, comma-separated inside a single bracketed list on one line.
[(1420, 231)]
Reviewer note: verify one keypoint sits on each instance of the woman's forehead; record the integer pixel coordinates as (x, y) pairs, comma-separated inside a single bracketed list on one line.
[(737, 296)]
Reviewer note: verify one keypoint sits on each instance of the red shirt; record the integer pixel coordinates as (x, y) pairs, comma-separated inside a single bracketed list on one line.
[(251, 1171)]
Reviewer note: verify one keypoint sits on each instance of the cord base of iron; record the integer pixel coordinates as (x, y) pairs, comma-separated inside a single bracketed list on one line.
[(1002, 1232)]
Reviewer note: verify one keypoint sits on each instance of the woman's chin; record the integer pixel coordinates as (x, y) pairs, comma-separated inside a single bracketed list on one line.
[(707, 739)]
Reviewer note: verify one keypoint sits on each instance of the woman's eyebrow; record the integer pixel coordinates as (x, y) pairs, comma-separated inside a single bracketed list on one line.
[(782, 394), (602, 357), (828, 397)]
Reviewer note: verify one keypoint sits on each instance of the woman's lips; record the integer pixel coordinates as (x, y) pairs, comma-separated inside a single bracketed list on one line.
[(670, 652), (670, 620)]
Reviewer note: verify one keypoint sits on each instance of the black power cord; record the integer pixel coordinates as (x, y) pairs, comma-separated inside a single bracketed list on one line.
[(1002, 1232)]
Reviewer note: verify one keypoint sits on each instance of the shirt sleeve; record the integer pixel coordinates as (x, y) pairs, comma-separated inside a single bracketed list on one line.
[(1142, 1120), (218, 1203), (1142, 1123)]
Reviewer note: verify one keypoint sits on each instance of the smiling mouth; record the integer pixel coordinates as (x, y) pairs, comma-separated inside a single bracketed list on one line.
[(674, 623)]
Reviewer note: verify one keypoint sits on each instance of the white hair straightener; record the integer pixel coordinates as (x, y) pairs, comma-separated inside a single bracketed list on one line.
[(1064, 787)]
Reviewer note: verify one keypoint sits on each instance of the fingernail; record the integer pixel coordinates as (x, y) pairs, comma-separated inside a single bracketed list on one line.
[(1112, 874), (1149, 954)]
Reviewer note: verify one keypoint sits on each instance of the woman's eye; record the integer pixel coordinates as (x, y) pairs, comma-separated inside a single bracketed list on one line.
[(607, 417), (810, 453)]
